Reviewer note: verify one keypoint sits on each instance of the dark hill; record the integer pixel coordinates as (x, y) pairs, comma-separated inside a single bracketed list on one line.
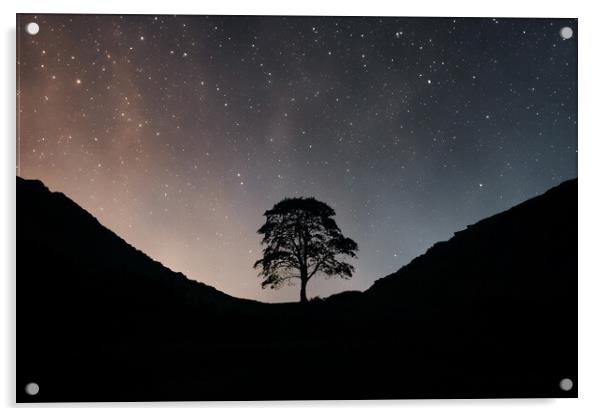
[(84, 291), (79, 269), (502, 293), (525, 251), (490, 313), (66, 235)]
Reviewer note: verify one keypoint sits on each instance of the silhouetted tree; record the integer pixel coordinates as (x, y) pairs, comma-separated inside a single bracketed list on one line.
[(302, 239)]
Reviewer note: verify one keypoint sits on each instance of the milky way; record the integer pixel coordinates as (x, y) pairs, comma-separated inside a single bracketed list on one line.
[(178, 132)]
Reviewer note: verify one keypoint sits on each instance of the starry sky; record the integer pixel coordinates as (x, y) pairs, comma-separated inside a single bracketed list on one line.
[(178, 132)]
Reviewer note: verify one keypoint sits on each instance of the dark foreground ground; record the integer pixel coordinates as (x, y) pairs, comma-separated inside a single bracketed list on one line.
[(490, 313)]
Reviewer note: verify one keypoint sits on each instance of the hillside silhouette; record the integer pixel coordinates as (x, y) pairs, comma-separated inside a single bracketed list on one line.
[(490, 313)]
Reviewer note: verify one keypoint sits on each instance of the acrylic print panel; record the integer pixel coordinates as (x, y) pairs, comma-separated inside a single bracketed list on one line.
[(262, 208)]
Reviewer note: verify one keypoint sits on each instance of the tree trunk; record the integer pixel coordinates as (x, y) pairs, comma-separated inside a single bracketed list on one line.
[(303, 291), (304, 279)]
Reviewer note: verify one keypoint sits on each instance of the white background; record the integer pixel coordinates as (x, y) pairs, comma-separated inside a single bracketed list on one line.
[(590, 209)]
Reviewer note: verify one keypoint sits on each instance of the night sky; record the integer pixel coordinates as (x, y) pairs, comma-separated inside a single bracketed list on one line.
[(178, 132)]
